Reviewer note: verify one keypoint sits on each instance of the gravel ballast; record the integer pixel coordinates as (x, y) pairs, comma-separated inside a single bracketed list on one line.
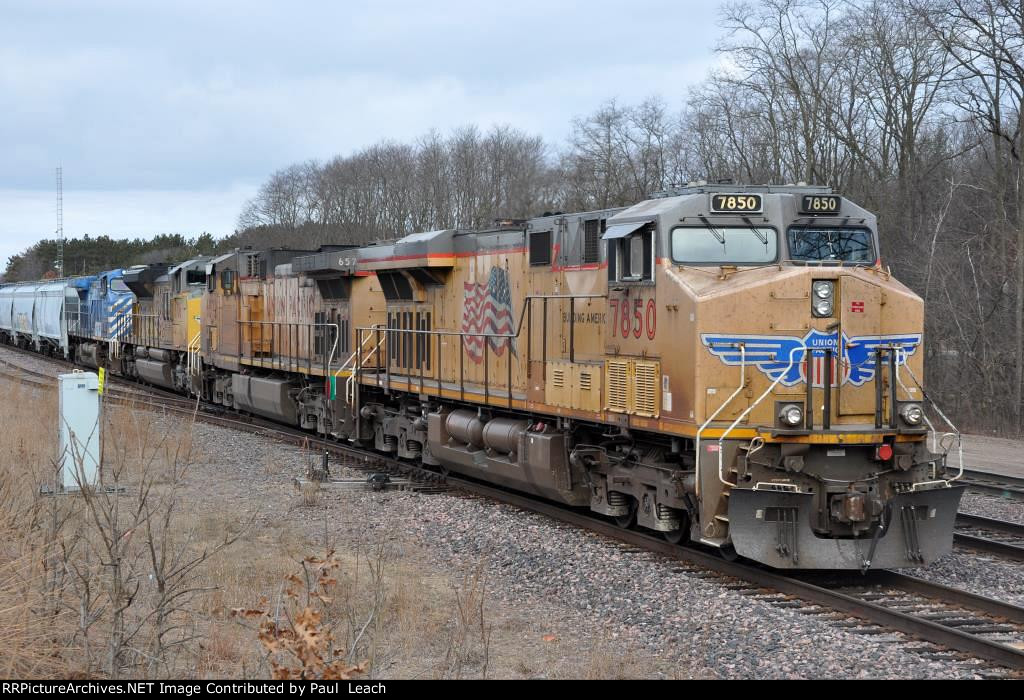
[(992, 507)]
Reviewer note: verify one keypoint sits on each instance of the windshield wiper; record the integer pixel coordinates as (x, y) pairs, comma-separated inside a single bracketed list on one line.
[(714, 232), (763, 237)]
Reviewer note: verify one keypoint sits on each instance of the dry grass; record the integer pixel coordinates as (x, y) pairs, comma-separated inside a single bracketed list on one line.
[(383, 611), (34, 636), (389, 609), (101, 583), (310, 493)]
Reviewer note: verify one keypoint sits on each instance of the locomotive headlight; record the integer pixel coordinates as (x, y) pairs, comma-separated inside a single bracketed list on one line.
[(823, 298), (912, 414), (791, 414)]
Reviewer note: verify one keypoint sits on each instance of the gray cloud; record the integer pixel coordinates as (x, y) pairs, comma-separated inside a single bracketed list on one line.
[(209, 97)]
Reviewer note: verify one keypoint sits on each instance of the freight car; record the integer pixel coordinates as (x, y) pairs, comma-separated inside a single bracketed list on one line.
[(33, 316), (729, 365)]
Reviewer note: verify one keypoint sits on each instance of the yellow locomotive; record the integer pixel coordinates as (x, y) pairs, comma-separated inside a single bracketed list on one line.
[(729, 365)]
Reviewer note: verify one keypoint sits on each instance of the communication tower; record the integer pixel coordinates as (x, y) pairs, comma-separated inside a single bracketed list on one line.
[(60, 221)]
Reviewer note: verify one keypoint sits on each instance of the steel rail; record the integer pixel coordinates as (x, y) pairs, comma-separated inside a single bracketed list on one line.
[(996, 484), (979, 521), (981, 542), (984, 544)]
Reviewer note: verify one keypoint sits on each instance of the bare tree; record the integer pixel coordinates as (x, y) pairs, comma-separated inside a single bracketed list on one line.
[(985, 40)]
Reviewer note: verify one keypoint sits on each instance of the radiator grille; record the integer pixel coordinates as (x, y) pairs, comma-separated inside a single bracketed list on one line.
[(646, 399), (633, 386), (617, 383)]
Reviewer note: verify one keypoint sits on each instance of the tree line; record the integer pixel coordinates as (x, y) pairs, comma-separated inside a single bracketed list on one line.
[(912, 108), (92, 254)]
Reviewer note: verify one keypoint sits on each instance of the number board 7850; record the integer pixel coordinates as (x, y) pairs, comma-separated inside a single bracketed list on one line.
[(736, 204)]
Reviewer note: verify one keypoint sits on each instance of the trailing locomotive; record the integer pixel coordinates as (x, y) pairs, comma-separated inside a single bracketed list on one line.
[(729, 365)]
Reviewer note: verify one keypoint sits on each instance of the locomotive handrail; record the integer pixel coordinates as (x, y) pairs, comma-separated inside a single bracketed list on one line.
[(751, 407), (356, 358), (352, 357), (350, 383), (193, 355), (295, 357), (743, 383), (525, 319), (334, 348), (956, 432), (907, 391)]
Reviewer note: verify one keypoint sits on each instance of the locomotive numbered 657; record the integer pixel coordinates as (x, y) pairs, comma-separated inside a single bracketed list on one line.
[(729, 365)]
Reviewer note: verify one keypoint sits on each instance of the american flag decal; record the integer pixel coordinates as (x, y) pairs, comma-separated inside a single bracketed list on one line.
[(488, 309)]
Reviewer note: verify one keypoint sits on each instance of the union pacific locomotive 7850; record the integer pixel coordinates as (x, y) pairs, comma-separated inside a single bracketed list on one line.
[(727, 365)]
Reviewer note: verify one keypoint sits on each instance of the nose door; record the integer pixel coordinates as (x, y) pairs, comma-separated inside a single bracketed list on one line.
[(860, 319)]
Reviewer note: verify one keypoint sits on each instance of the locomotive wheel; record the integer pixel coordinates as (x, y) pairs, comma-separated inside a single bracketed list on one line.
[(728, 552), (629, 519), (682, 534)]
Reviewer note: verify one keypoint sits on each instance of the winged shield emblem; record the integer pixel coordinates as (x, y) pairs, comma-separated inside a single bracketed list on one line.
[(786, 358)]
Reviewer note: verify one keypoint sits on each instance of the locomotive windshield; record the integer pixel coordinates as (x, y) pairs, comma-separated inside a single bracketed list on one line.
[(852, 245), (725, 245)]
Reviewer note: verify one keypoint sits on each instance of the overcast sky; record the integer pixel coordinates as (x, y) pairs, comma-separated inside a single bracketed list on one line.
[(167, 116)]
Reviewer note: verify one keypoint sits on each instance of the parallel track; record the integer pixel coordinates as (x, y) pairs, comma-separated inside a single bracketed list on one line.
[(989, 535), (952, 619), (994, 484), (931, 612)]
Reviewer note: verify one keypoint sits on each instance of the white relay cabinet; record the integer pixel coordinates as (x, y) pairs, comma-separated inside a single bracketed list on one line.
[(79, 430)]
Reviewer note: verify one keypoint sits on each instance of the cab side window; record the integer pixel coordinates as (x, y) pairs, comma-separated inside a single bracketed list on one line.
[(631, 258)]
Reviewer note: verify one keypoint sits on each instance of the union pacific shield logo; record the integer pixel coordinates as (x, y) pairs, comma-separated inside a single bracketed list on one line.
[(793, 359)]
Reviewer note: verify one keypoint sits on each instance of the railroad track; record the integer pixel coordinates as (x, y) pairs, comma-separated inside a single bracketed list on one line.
[(949, 623), (994, 484), (989, 535)]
